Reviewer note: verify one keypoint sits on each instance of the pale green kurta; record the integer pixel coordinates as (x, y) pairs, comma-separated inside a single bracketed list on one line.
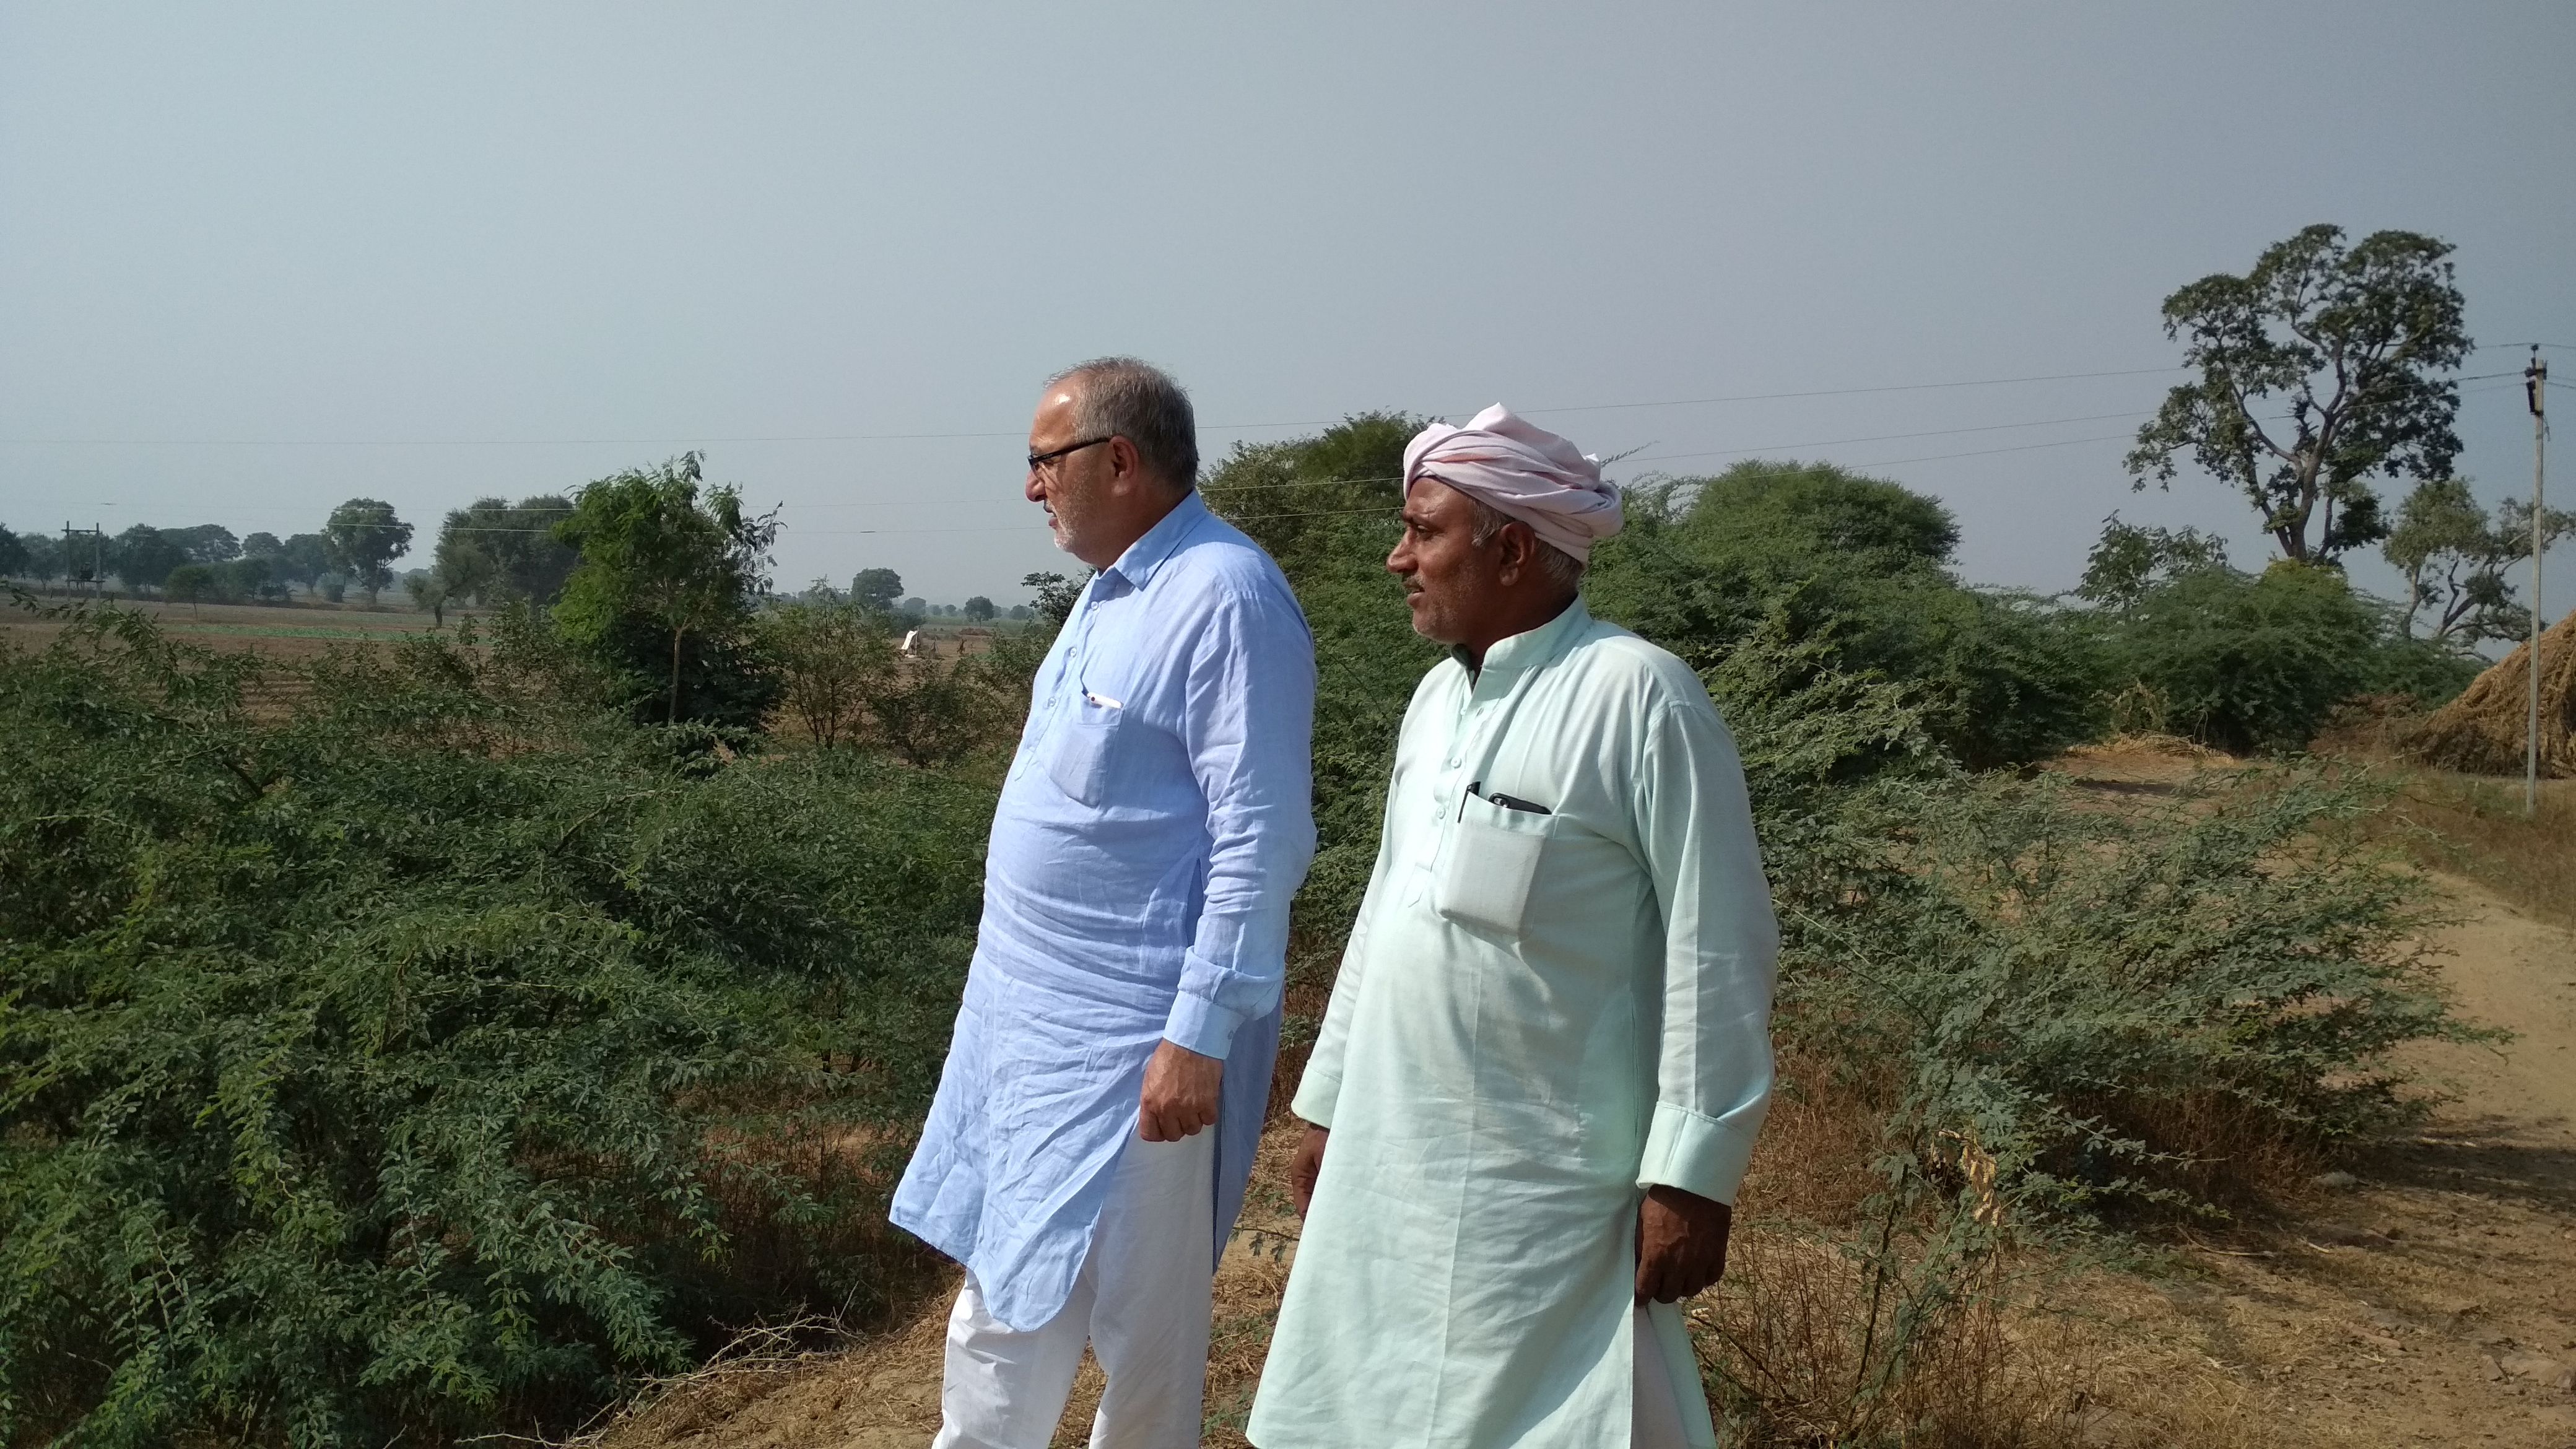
[(1537, 1016)]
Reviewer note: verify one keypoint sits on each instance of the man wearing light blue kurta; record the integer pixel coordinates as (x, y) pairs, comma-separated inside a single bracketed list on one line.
[(1126, 980), (1547, 1053)]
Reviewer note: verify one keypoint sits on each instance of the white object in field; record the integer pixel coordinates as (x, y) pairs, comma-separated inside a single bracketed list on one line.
[(910, 638)]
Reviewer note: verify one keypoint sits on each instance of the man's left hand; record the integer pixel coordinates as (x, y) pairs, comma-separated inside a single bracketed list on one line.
[(1681, 1243), (1180, 1093)]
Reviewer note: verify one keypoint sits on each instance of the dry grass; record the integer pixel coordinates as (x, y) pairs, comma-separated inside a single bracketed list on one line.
[(2487, 729), (2476, 827)]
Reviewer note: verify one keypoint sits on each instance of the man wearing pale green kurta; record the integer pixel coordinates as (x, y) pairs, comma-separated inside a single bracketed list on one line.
[(1554, 1008)]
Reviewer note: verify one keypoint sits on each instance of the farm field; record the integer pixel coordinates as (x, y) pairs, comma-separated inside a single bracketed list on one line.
[(2422, 1294), (283, 631)]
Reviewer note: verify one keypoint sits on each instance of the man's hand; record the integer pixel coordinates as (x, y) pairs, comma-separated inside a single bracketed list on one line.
[(1304, 1166), (1180, 1093), (1681, 1243)]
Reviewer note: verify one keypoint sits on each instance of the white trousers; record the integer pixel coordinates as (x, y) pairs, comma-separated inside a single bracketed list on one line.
[(1658, 1414), (1141, 1302)]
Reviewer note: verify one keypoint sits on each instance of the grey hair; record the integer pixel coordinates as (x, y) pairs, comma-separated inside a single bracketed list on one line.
[(1130, 398), (1554, 564)]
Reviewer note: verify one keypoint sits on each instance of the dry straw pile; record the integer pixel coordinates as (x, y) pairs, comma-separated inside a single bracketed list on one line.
[(2482, 731)]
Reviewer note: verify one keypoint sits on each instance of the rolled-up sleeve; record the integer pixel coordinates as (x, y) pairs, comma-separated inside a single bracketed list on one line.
[(1249, 724), (1721, 947)]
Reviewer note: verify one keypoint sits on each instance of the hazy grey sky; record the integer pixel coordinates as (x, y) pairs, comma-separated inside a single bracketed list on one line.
[(258, 259)]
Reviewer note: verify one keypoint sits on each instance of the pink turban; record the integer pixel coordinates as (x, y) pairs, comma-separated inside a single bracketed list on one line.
[(1523, 472)]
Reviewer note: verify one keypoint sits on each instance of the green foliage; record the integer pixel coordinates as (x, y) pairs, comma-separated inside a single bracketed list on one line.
[(2457, 560), (13, 554), (832, 657), (1325, 508), (206, 543), (493, 551), (437, 1061), (42, 557), (1857, 565), (225, 583), (143, 557), (2128, 561), (303, 559), (2354, 342), (433, 590), (192, 584), (1056, 594), (665, 593), (876, 588), (2257, 663), (362, 537)]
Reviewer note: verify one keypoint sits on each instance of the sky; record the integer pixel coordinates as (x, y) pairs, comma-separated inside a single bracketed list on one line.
[(256, 259)]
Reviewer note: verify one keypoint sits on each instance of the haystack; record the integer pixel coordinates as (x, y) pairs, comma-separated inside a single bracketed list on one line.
[(2481, 732)]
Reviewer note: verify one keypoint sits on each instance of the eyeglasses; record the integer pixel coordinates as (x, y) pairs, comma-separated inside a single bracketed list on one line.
[(1041, 460)]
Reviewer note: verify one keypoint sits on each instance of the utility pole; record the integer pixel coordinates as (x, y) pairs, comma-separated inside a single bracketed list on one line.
[(2535, 383), (94, 572)]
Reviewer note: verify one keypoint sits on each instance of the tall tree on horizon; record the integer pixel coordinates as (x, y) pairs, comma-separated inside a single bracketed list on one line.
[(364, 536), (878, 589), (2355, 343)]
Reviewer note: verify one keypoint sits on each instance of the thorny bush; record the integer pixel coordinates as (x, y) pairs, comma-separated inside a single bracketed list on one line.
[(440, 1059)]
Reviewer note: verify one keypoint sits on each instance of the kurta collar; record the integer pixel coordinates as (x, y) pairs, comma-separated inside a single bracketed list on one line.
[(1529, 649), (1136, 566)]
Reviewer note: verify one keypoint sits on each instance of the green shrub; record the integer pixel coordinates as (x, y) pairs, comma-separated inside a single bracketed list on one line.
[(2050, 1017), (1325, 507), (438, 1060), (2244, 662), (1859, 565)]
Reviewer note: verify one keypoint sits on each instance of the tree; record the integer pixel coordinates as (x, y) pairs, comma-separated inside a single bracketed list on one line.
[(1056, 596), (45, 556), (432, 590), (2459, 562), (2354, 342), (364, 536), (877, 589), (193, 583), (13, 553), (979, 609), (252, 576), (831, 658), (1857, 568), (495, 550), (261, 545), (303, 559), (143, 556), (2129, 561), (660, 562), (206, 543)]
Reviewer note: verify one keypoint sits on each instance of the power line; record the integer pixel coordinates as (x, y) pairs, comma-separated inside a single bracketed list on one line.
[(913, 437)]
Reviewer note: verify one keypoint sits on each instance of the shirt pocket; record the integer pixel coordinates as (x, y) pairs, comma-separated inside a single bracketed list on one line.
[(1488, 859), (1084, 751)]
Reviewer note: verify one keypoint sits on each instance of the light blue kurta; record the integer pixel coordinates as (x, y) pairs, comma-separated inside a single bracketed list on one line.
[(1155, 823), (1538, 1014)]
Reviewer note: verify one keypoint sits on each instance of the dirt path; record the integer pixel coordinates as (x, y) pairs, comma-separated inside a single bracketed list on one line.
[(2428, 1300), (2431, 1300)]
